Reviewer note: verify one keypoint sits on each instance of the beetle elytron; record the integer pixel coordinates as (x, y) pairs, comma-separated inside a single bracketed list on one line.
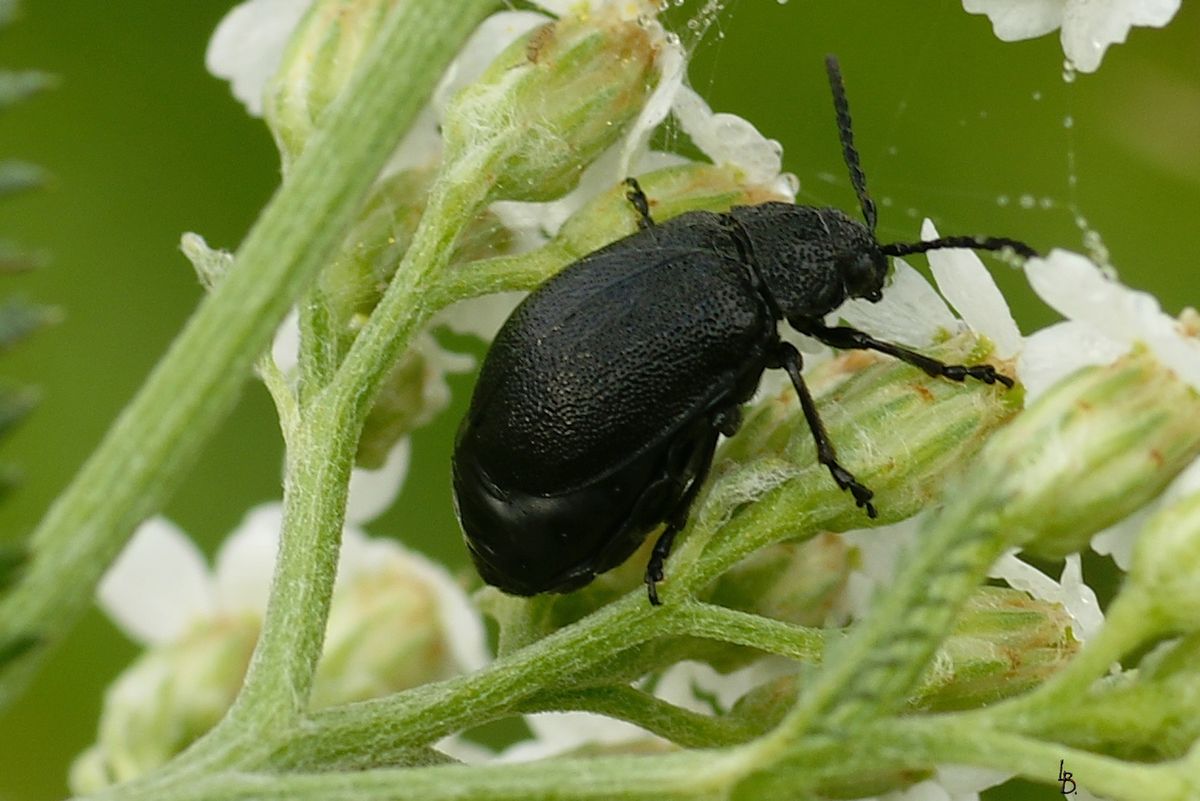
[(599, 405)]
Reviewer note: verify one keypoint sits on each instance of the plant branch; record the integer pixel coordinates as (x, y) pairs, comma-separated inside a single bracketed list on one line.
[(155, 440)]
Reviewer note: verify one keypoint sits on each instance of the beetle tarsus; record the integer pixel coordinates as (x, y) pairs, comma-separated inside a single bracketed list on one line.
[(658, 557), (640, 202), (846, 481)]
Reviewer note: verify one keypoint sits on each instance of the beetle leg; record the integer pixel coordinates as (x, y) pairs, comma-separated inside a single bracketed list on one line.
[(679, 515), (789, 359), (844, 338), (640, 202)]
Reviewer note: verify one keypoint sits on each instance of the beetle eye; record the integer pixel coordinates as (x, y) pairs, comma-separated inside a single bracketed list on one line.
[(862, 275)]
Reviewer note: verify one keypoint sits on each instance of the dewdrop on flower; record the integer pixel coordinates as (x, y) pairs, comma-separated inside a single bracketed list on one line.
[(1088, 27)]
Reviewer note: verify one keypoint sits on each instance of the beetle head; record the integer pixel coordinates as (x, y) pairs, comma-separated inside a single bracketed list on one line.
[(810, 260), (858, 260)]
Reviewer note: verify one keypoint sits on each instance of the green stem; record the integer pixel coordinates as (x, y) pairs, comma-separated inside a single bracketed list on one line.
[(458, 194), (280, 675), (714, 622), (155, 440), (690, 775), (681, 726), (498, 274), (423, 715), (951, 739)]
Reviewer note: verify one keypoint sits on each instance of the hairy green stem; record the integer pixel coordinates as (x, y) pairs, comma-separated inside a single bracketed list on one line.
[(280, 675), (425, 714), (459, 192), (691, 775), (955, 740), (714, 622), (681, 726)]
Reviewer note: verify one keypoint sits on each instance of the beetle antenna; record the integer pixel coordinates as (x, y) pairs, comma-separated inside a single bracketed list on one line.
[(842, 106), (972, 242)]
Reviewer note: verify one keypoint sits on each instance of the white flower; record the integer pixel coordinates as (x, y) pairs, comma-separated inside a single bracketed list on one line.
[(912, 313), (396, 620), (1088, 26), (1104, 320), (160, 588), (1069, 591), (247, 46)]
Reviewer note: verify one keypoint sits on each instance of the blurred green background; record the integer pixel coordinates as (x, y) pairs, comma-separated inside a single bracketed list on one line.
[(143, 145)]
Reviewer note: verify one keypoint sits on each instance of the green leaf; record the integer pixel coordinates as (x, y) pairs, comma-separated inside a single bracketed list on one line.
[(13, 556), (19, 318), (8, 11), (12, 649), (20, 176), (16, 85), (17, 259), (16, 402)]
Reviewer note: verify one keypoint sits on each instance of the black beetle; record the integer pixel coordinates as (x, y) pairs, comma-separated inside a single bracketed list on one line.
[(599, 405)]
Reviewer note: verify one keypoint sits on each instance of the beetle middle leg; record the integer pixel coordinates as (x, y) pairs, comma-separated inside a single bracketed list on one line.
[(845, 338), (789, 359), (638, 198)]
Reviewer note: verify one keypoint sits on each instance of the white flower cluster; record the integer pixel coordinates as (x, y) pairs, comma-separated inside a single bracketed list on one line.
[(160, 588)]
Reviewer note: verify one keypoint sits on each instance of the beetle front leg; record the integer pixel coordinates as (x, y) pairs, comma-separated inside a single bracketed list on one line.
[(846, 338), (638, 198), (789, 359)]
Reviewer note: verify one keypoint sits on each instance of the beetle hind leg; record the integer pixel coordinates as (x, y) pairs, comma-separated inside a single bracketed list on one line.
[(701, 463)]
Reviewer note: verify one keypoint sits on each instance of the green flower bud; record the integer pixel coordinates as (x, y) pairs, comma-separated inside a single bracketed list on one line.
[(354, 283), (552, 102), (412, 394), (320, 57), (385, 634), (606, 218), (1166, 565), (797, 582), (1004, 643), (901, 432), (671, 191), (1145, 715), (1097, 446), (166, 699)]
